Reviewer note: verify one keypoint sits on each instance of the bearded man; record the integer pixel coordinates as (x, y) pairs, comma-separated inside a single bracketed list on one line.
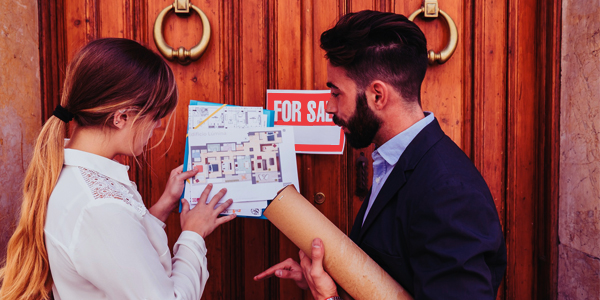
[(429, 220)]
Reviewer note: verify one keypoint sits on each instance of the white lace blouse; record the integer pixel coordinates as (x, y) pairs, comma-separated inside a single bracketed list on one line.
[(104, 244)]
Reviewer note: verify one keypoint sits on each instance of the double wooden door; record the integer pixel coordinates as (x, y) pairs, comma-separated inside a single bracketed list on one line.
[(495, 97)]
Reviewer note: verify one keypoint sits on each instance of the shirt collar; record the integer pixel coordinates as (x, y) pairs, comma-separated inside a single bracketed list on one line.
[(393, 148), (100, 164)]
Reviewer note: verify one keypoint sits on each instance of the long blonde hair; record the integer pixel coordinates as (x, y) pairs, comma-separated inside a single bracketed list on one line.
[(105, 76)]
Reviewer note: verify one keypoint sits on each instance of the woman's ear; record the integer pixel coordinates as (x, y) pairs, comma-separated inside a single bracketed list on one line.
[(120, 118)]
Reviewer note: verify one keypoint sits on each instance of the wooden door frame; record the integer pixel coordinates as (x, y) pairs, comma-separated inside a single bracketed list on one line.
[(549, 60), (542, 164), (52, 54), (528, 147)]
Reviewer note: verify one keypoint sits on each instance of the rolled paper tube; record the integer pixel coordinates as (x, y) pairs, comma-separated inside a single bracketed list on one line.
[(346, 263)]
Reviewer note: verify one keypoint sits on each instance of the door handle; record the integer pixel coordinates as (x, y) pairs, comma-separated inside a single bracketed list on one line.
[(182, 55), (430, 9)]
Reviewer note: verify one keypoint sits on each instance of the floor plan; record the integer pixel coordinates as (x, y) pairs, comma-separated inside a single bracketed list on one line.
[(237, 148), (256, 160), (252, 163)]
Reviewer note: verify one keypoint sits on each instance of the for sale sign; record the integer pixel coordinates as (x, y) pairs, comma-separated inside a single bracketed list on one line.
[(314, 130)]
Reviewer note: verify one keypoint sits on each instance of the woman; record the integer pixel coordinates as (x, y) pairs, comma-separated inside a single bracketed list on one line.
[(84, 231)]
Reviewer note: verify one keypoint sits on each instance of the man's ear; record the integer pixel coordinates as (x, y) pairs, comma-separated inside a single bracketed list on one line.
[(377, 95), (120, 118)]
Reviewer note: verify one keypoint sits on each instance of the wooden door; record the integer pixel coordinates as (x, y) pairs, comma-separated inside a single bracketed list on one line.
[(496, 98)]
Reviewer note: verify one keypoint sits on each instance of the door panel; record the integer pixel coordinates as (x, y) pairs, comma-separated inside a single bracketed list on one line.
[(443, 91), (486, 98)]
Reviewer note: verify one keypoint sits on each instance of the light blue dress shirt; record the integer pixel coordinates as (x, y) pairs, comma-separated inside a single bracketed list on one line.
[(388, 154)]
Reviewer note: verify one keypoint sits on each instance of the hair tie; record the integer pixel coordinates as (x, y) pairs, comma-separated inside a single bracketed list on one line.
[(63, 114)]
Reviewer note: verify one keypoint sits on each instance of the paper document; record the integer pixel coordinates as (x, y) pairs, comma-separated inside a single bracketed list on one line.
[(232, 147)]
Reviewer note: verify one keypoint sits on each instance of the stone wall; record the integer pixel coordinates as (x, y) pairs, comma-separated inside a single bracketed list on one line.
[(579, 200), (20, 105)]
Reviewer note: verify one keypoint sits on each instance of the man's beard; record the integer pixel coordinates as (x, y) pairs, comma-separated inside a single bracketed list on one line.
[(363, 124)]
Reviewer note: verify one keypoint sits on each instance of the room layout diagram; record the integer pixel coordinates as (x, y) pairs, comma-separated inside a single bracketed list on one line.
[(233, 148), (256, 159)]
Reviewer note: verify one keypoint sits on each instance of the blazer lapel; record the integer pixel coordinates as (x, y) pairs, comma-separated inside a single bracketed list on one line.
[(430, 135), (359, 217), (394, 182)]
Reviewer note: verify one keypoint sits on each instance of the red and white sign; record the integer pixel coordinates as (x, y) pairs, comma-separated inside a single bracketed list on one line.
[(314, 130)]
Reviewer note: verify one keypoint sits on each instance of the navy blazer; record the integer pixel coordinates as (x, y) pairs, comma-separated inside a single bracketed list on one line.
[(434, 226)]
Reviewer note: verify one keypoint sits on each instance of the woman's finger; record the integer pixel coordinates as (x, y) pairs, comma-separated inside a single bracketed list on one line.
[(219, 210), (178, 169), (216, 198), (185, 206), (187, 174), (225, 219), (205, 193)]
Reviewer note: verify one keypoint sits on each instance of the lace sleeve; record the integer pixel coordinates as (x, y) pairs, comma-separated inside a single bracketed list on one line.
[(103, 187)]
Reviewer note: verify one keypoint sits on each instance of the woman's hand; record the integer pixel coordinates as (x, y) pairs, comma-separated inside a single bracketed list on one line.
[(204, 217), (170, 197)]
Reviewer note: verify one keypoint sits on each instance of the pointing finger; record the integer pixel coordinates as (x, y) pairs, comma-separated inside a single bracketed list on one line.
[(286, 264), (285, 274)]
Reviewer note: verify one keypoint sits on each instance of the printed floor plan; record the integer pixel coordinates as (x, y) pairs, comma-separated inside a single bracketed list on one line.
[(256, 160), (232, 147)]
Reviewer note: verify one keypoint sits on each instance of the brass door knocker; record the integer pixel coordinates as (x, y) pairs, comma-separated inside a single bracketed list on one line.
[(430, 9), (182, 55)]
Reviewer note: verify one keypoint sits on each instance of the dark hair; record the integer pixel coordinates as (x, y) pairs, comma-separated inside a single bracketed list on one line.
[(373, 45)]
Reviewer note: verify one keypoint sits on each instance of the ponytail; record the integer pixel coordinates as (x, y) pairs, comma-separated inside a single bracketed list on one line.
[(26, 274), (105, 76)]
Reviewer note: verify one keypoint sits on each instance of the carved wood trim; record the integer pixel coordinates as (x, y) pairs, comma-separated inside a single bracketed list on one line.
[(52, 54), (549, 41), (520, 162), (468, 94)]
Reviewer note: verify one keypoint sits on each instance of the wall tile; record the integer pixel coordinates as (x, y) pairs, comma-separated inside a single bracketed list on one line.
[(578, 275), (579, 198), (579, 217), (20, 104)]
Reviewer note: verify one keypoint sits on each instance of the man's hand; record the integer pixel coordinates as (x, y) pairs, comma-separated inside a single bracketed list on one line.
[(308, 274), (287, 269), (320, 283)]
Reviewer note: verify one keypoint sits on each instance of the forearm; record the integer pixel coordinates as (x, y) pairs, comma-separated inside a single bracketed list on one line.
[(163, 208), (190, 271)]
